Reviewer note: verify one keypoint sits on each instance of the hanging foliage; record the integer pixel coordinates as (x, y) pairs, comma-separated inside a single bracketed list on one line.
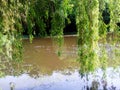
[(114, 39), (40, 17), (36, 16), (87, 25), (10, 32), (114, 18), (61, 7), (102, 25), (10, 23), (102, 35)]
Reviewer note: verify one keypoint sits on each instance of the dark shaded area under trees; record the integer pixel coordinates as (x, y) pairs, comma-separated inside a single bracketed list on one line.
[(70, 23)]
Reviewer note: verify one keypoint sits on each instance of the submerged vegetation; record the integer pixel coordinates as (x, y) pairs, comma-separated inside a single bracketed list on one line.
[(92, 18)]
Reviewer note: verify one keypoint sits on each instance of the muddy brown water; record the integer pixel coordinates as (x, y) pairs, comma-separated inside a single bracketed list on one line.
[(43, 54), (43, 69)]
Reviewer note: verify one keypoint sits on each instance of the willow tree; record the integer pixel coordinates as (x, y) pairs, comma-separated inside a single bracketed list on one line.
[(114, 7), (35, 15), (48, 14), (87, 14), (10, 32), (114, 16), (102, 35), (61, 8), (40, 15), (91, 28)]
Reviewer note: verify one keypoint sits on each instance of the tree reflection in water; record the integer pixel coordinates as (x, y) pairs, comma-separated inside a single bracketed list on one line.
[(62, 81)]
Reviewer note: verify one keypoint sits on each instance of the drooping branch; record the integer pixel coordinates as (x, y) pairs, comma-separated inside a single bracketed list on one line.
[(87, 25)]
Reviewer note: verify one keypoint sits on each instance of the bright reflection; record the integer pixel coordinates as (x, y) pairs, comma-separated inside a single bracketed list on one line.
[(64, 80)]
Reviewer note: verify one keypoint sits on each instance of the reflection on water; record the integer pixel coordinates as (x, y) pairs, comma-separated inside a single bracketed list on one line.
[(42, 69), (61, 81)]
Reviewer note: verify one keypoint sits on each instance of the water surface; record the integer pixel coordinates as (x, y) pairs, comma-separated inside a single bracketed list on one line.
[(42, 69)]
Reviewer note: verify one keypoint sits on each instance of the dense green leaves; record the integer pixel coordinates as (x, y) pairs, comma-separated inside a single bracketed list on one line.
[(42, 17), (87, 25)]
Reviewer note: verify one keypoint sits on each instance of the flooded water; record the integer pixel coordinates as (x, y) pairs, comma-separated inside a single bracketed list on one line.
[(42, 69)]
